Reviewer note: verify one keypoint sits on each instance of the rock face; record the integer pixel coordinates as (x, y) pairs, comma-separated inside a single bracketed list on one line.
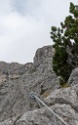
[(18, 81), (73, 80), (43, 117)]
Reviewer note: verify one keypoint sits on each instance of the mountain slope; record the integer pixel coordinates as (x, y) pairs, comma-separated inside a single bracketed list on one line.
[(16, 106)]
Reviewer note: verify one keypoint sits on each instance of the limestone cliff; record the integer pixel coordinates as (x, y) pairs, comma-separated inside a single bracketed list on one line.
[(17, 81)]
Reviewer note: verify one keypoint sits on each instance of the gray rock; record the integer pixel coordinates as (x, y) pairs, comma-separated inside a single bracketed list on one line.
[(7, 122), (16, 106), (73, 79), (42, 54), (15, 91), (67, 96), (44, 117)]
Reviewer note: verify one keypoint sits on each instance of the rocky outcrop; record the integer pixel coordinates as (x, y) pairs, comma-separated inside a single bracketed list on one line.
[(12, 70), (15, 91), (63, 102), (16, 106), (43, 117), (73, 79), (43, 55)]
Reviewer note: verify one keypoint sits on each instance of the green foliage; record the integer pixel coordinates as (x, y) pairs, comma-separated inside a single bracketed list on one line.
[(65, 40)]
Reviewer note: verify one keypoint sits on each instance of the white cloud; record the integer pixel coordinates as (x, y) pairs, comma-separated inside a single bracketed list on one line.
[(26, 27)]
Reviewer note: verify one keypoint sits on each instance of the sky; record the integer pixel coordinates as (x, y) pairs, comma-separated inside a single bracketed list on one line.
[(25, 26)]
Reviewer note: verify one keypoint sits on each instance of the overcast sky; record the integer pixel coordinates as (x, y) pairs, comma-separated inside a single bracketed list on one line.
[(25, 26)]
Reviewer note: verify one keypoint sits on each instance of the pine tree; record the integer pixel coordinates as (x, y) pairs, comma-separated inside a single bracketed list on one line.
[(65, 40)]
